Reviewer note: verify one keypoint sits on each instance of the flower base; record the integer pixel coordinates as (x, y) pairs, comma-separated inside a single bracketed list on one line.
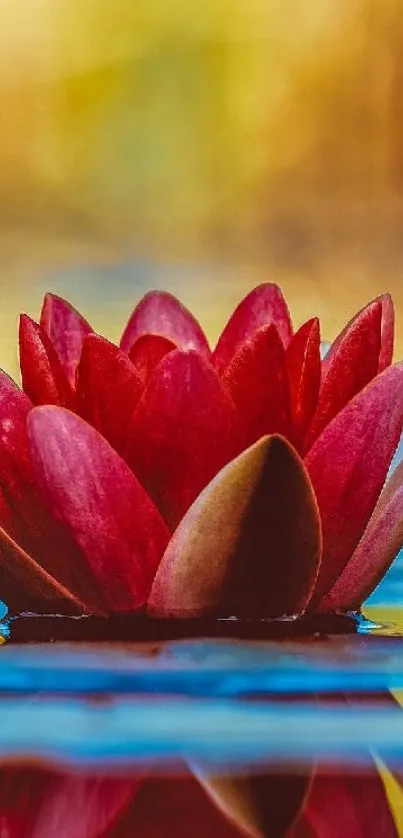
[(35, 628)]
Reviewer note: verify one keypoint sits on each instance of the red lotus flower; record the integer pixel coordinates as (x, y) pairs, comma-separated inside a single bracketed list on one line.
[(316, 800), (245, 481), (41, 804)]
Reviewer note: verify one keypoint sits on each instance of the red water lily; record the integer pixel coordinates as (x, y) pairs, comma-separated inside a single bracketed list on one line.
[(37, 803), (162, 475)]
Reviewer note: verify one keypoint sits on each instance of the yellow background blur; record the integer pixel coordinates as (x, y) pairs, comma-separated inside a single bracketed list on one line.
[(202, 147)]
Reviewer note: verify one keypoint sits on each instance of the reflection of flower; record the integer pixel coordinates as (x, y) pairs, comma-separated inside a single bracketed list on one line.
[(331, 804), (266, 462)]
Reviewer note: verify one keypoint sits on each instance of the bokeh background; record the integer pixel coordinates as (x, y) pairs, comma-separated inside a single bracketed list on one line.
[(200, 147)]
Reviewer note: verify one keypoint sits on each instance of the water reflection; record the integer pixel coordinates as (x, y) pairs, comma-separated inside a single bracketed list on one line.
[(265, 785), (299, 735), (201, 738)]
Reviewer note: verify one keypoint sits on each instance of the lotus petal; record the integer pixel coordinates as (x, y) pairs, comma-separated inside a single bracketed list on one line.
[(147, 352), (160, 313), (304, 372), (263, 306), (259, 804), (14, 408), (257, 382), (28, 520), (380, 544), (184, 430), (37, 803), (23, 513), (43, 377), (387, 333), (77, 806), (249, 546), (108, 390), (66, 328), (348, 465), (25, 586), (91, 490), (346, 805), (353, 365)]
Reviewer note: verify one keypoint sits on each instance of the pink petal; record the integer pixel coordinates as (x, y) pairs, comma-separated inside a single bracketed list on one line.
[(249, 546), (80, 806), (108, 390), (264, 305), (259, 804), (91, 490), (49, 541), (348, 465), (257, 382), (43, 377), (37, 803), (353, 365), (304, 371), (24, 514), (344, 805), (184, 430), (66, 328), (147, 352), (387, 332), (380, 544), (25, 586), (14, 408), (160, 313)]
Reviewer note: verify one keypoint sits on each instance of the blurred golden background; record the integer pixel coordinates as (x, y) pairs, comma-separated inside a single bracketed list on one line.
[(202, 148)]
